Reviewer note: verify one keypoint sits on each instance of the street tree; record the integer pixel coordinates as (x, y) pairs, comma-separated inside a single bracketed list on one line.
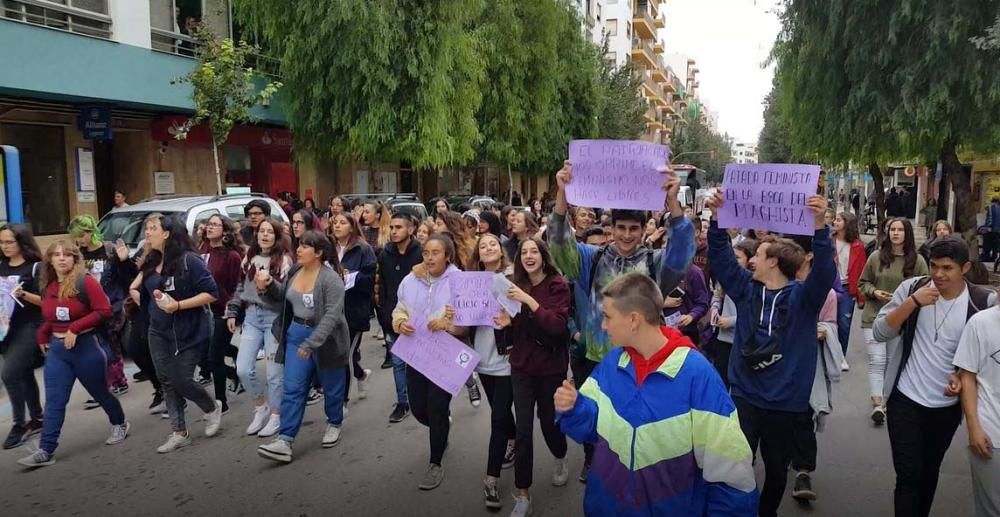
[(880, 80), (774, 145), (700, 145), (387, 80), (224, 89)]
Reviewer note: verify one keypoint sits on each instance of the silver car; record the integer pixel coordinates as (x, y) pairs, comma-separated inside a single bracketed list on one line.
[(126, 223)]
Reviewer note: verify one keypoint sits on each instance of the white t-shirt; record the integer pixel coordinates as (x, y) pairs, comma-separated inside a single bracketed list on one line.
[(925, 376), (979, 353), (492, 363), (843, 259)]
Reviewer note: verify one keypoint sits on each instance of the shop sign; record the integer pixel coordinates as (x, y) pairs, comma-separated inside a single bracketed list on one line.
[(95, 122)]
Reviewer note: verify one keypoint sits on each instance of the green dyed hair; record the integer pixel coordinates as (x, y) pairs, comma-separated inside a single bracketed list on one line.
[(86, 223)]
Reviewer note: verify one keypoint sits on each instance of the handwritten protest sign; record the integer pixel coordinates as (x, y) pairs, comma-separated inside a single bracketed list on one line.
[(473, 299), (617, 174), (770, 197), (446, 361), (7, 287), (501, 286)]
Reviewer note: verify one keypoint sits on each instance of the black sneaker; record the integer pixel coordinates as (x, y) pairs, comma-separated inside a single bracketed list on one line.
[(157, 405), (32, 428), (119, 389), (204, 379), (15, 437), (803, 488), (140, 376), (91, 404), (584, 472), (492, 494), (314, 396), (399, 413), (386, 364), (474, 397), (878, 416)]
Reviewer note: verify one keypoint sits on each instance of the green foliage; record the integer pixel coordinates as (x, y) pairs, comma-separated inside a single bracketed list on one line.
[(708, 150), (223, 87), (774, 145), (991, 39), (622, 109)]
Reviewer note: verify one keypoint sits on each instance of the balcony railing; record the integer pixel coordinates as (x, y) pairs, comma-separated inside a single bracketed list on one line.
[(642, 52), (56, 16), (184, 45), (643, 20)]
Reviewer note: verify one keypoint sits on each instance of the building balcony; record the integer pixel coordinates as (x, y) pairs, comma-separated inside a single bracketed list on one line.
[(89, 22), (660, 74), (659, 47), (652, 91), (660, 21), (644, 19), (642, 54), (669, 109), (650, 114)]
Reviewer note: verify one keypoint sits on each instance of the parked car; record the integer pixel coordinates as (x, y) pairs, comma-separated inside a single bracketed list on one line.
[(408, 206), (126, 223)]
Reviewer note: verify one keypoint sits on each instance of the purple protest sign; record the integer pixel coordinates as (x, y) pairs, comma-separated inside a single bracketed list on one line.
[(769, 196), (473, 299), (617, 174), (446, 361)]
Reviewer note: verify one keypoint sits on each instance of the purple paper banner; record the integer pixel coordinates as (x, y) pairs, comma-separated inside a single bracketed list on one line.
[(446, 361), (617, 174), (769, 196)]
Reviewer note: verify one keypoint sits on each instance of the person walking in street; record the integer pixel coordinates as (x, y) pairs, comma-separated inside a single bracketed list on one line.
[(358, 260), (773, 362), (73, 308), (266, 259), (494, 372), (395, 262), (992, 236), (927, 315), (657, 378), (256, 211), (427, 298), (896, 261), (179, 286), (313, 339), (223, 253), (138, 338), (590, 268), (978, 357), (104, 261), (22, 259), (688, 303), (850, 261), (941, 230), (539, 359)]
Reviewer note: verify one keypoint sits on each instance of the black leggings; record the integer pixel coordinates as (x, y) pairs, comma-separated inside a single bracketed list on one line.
[(430, 406), (138, 348), (218, 348), (529, 391), (500, 393), (21, 356), (354, 369)]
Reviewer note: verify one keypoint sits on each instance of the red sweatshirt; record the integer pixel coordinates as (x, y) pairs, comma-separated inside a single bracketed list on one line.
[(644, 367), (72, 314), (539, 338), (224, 265)]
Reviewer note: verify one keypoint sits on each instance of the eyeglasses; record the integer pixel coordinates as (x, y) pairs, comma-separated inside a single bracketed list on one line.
[(213, 225), (7, 243), (298, 223), (255, 213)]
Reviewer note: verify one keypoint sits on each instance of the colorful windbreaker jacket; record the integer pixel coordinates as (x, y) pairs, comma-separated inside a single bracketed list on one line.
[(671, 446), (576, 261)]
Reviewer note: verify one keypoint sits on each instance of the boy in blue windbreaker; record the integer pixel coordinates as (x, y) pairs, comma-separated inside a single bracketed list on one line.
[(666, 435)]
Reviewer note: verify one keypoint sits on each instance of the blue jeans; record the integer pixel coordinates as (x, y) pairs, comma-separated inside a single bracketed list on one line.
[(256, 333), (398, 369), (298, 379), (845, 314), (88, 362)]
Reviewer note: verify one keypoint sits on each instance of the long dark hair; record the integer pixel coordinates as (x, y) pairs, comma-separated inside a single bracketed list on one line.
[(493, 221), (176, 247), (310, 223), (231, 239), (476, 263), (851, 232), (356, 236), (278, 252), (530, 223), (324, 247), (520, 276), (30, 251), (885, 255)]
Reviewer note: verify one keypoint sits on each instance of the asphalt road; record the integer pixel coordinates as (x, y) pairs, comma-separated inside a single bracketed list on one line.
[(376, 467)]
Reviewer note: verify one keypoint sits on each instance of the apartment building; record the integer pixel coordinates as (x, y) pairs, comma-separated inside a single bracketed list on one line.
[(745, 152), (86, 97)]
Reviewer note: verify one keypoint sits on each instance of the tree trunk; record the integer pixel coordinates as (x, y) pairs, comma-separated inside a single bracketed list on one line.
[(510, 191), (965, 212), (879, 182), (218, 172)]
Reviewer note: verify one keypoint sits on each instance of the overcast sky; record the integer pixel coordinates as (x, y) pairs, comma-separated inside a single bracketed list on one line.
[(729, 39)]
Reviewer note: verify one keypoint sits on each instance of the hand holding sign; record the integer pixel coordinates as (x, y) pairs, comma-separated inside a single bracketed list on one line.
[(775, 197)]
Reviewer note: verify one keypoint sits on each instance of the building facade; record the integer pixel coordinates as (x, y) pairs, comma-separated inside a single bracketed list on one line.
[(744, 152)]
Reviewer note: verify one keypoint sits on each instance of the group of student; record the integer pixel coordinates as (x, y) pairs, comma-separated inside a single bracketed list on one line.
[(672, 352)]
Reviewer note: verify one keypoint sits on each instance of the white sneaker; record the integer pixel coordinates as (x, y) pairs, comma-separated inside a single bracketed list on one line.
[(278, 450), (522, 506), (260, 414), (271, 429), (363, 384), (118, 434), (331, 437), (345, 410), (175, 442), (560, 472), (260, 354), (844, 366), (213, 420)]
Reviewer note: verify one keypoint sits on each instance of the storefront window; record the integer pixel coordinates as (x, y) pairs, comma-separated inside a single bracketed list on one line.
[(88, 17), (43, 175)]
